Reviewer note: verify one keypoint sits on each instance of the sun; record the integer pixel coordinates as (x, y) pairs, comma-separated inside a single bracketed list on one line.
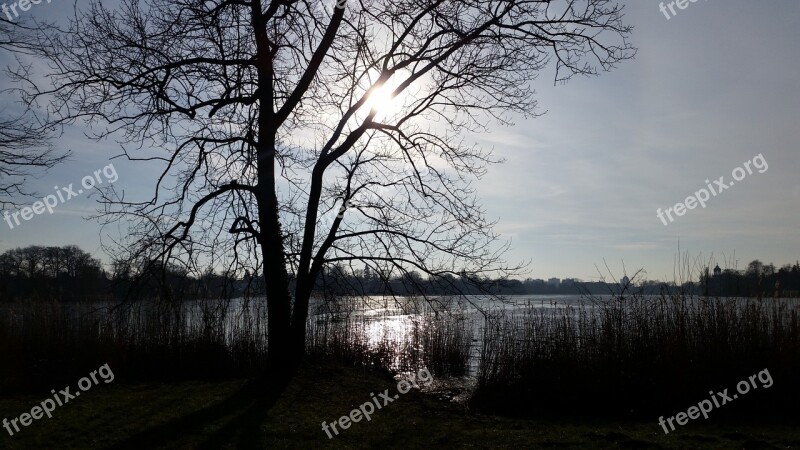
[(383, 101)]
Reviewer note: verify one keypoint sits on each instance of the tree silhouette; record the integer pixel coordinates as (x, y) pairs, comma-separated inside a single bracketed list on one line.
[(314, 136)]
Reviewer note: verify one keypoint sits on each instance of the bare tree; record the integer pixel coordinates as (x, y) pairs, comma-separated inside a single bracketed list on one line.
[(24, 145), (317, 136)]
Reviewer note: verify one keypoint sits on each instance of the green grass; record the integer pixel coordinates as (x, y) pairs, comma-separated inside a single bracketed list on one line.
[(231, 415)]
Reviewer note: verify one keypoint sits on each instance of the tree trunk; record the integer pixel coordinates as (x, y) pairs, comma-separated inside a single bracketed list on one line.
[(277, 289), (299, 316), (276, 277), (306, 272)]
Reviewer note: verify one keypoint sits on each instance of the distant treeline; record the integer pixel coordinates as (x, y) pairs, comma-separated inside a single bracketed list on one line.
[(757, 280), (63, 273), (69, 273)]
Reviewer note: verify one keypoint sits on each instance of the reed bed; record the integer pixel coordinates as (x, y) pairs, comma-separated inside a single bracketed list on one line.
[(44, 345), (636, 355)]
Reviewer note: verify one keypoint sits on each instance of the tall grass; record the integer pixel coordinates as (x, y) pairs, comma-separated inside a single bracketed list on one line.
[(636, 355), (43, 345)]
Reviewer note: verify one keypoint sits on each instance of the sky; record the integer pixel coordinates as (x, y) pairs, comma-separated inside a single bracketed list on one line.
[(712, 87)]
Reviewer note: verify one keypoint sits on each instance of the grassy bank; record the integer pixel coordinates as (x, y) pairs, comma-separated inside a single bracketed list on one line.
[(227, 415)]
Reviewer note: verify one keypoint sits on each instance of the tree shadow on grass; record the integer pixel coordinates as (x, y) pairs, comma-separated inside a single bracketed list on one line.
[(243, 414)]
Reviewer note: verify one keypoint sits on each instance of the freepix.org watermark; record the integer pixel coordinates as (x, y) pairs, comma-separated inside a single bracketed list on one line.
[(62, 195), (721, 398), (24, 5), (367, 409), (63, 397), (703, 195), (681, 4)]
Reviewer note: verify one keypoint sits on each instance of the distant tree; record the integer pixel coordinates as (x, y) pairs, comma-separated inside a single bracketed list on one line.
[(755, 269), (705, 280)]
